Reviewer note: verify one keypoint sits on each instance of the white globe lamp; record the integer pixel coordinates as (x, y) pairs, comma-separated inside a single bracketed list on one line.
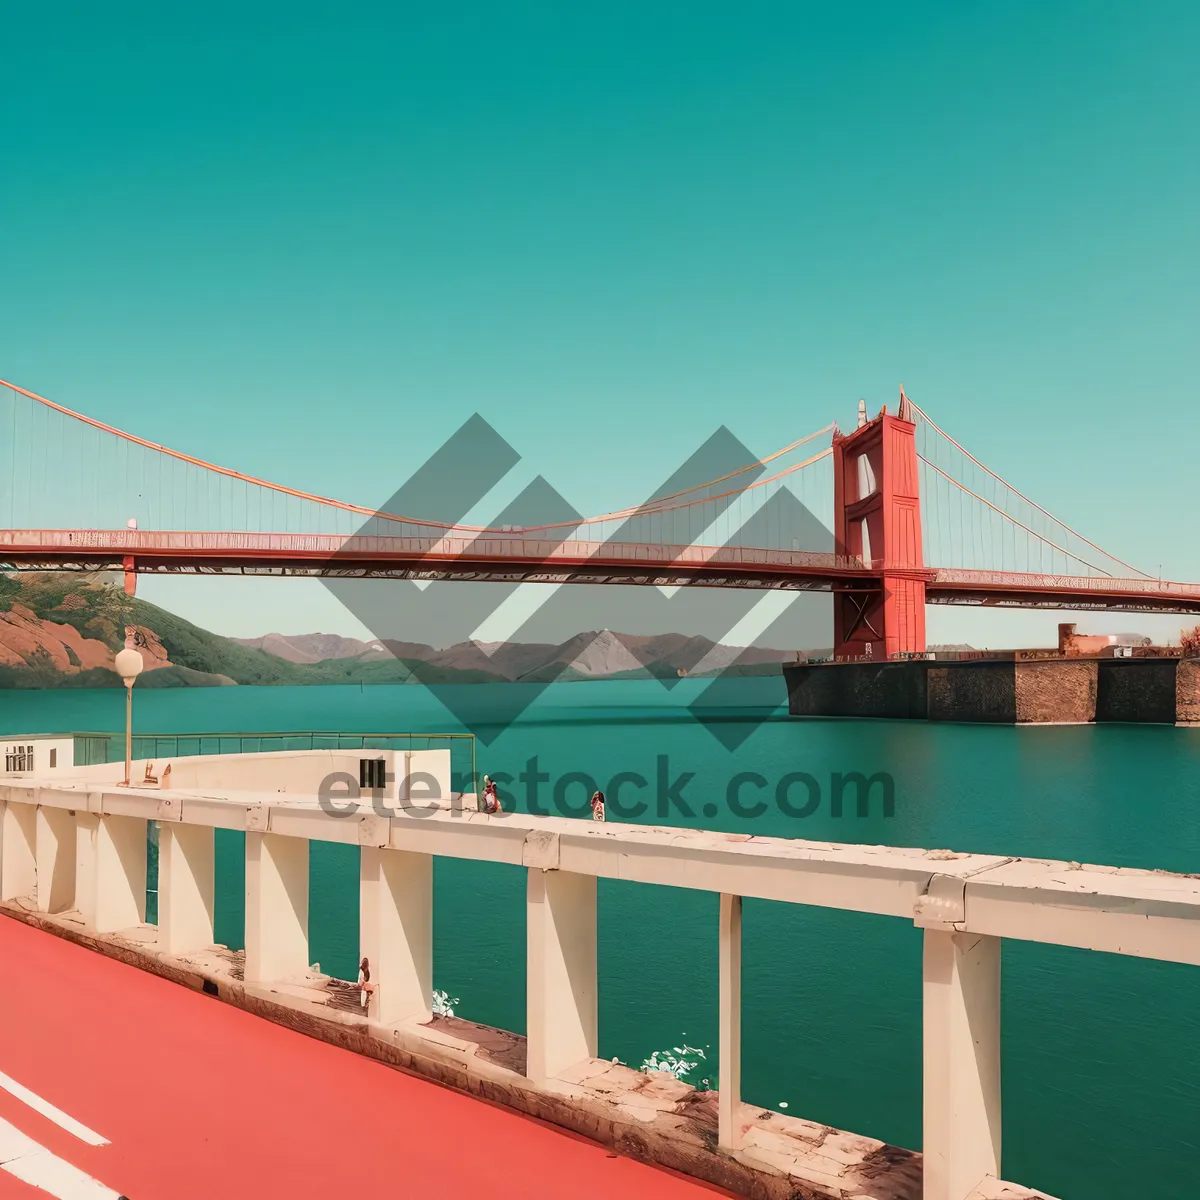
[(128, 664)]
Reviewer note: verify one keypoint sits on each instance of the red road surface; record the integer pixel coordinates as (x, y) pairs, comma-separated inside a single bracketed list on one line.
[(201, 1100)]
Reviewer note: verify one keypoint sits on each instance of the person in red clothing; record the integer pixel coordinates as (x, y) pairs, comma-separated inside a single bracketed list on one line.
[(491, 800)]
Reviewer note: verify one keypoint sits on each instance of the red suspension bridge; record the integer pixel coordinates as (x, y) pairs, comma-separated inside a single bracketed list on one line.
[(888, 518)]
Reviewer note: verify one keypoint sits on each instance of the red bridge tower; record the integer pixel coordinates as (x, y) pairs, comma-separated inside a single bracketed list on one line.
[(877, 517)]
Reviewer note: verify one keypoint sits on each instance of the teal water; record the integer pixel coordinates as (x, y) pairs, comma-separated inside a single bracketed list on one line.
[(1101, 1053)]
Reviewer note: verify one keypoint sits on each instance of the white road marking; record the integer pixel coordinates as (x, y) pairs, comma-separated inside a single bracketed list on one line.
[(25, 1159), (60, 1118)]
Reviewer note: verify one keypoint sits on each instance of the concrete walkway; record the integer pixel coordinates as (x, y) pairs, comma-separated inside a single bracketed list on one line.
[(190, 1098)]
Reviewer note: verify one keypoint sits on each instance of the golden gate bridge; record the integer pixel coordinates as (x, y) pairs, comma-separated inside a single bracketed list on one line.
[(889, 517)]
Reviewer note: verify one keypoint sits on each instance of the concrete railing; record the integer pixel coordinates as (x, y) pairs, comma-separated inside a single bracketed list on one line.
[(81, 843)]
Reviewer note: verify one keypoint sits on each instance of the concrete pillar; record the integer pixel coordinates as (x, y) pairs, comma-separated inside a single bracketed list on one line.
[(729, 1095), (18, 851), (87, 830), (55, 860), (276, 907), (396, 932), (186, 893), (561, 971), (962, 1062), (119, 881)]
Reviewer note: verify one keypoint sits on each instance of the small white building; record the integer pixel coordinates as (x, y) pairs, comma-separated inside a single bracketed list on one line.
[(37, 753)]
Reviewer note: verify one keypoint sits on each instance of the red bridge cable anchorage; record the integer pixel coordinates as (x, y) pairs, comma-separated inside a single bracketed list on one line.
[(1032, 503), (650, 508)]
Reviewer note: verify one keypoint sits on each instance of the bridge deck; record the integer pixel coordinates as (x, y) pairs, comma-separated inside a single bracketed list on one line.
[(198, 1099), (515, 558)]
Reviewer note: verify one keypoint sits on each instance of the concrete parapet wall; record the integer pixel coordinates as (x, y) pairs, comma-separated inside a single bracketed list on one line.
[(275, 771)]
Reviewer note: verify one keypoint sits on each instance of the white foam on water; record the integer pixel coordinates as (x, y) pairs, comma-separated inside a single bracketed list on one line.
[(681, 1062)]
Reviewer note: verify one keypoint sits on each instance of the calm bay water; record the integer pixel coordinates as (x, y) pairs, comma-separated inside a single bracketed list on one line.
[(1101, 1053)]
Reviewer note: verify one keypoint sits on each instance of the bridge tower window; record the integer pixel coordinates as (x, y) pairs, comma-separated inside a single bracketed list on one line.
[(866, 477), (865, 554)]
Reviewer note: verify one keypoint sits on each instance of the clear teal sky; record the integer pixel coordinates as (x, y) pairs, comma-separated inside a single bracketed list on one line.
[(275, 235)]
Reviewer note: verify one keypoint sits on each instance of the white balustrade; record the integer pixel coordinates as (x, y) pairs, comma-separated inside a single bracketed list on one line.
[(396, 932), (961, 1110), (186, 887), (18, 856), (80, 842), (118, 874), (729, 1062), (276, 907), (561, 992), (87, 830), (55, 859)]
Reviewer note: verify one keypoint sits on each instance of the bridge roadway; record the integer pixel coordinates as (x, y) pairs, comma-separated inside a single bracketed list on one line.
[(198, 1099), (514, 558)]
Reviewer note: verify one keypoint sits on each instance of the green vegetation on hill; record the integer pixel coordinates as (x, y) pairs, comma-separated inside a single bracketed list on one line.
[(189, 646), (40, 672), (100, 611)]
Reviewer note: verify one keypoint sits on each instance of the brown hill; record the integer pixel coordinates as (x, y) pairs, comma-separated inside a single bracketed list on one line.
[(27, 639)]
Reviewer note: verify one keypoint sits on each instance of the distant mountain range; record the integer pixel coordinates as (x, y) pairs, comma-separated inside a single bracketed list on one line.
[(596, 654), (59, 631)]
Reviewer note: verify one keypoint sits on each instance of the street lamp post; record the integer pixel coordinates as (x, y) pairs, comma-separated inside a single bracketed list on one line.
[(129, 666)]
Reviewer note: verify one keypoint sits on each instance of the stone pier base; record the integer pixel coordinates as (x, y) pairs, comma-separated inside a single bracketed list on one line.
[(1003, 691), (1187, 692)]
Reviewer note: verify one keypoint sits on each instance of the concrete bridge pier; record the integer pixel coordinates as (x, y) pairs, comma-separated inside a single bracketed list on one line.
[(117, 876), (961, 973), (18, 851), (186, 889), (396, 931), (55, 852), (276, 907), (561, 1022)]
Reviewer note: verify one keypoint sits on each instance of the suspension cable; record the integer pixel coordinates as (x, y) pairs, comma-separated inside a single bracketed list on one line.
[(1032, 503), (1007, 517), (646, 510), (650, 508)]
